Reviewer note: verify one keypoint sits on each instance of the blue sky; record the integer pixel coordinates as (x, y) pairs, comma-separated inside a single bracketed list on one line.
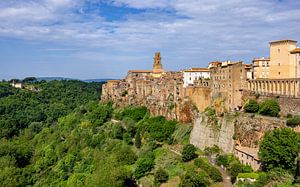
[(105, 38)]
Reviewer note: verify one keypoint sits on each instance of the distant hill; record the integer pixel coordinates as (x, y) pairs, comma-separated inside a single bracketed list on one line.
[(48, 79), (96, 80)]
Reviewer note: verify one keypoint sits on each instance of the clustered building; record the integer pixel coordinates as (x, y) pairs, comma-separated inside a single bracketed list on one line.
[(221, 83), (176, 95)]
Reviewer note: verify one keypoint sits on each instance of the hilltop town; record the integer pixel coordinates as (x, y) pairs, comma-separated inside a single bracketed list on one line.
[(225, 86)]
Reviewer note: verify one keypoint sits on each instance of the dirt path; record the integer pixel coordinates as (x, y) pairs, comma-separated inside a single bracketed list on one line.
[(226, 177)]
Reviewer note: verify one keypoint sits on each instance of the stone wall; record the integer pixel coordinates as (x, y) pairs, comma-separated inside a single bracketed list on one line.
[(288, 105), (200, 96), (207, 133)]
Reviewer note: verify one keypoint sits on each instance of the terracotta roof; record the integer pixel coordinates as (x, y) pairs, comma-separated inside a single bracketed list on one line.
[(216, 62), (248, 150), (297, 50), (279, 41), (140, 71)]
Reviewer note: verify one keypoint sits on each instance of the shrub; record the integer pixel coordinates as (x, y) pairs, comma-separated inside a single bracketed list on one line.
[(143, 165), (235, 168), (189, 152), (293, 121), (194, 179), (269, 107), (251, 106), (161, 175), (212, 171), (248, 175), (126, 156), (138, 140), (223, 160), (210, 111)]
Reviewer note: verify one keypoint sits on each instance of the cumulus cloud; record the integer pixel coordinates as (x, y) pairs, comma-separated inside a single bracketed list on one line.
[(189, 32)]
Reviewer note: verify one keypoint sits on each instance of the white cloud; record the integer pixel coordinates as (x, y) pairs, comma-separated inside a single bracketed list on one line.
[(183, 29)]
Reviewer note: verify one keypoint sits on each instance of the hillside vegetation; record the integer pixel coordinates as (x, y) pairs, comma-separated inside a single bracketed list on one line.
[(60, 135)]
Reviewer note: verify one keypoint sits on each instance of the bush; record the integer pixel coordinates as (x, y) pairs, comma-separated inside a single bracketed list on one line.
[(126, 156), (194, 179), (161, 175), (212, 171), (248, 175), (269, 107), (143, 165), (251, 106), (138, 140), (189, 152), (293, 121), (210, 111)]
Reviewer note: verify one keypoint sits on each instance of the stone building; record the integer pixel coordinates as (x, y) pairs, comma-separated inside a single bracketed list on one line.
[(261, 68), (279, 75), (248, 156), (283, 62), (228, 80), (190, 75)]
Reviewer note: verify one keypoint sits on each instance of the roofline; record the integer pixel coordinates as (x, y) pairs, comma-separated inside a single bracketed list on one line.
[(279, 41), (297, 50)]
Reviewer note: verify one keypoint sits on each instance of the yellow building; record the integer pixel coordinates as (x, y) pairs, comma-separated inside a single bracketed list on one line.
[(261, 68), (283, 63)]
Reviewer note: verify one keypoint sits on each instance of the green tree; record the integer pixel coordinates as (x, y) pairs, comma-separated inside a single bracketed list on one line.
[(269, 107), (251, 106), (125, 156), (279, 148), (143, 165), (161, 175), (188, 152), (138, 140), (194, 179)]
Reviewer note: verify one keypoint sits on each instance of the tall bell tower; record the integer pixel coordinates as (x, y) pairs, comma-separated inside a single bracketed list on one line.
[(157, 66)]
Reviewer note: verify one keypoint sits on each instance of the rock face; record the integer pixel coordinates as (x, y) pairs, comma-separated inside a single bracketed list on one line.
[(208, 132), (250, 128), (230, 130)]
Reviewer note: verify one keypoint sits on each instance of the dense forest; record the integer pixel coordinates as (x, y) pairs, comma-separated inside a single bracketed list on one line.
[(58, 134)]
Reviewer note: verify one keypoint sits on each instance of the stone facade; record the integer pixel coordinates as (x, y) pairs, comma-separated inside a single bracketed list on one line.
[(261, 68), (228, 81), (248, 156)]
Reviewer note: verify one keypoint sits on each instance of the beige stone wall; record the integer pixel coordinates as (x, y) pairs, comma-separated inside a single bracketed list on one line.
[(282, 62), (200, 96)]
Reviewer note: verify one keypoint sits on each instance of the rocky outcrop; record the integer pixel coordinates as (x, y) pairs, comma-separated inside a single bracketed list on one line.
[(249, 128), (232, 129), (209, 131)]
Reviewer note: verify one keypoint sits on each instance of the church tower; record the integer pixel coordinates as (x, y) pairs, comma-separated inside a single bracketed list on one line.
[(157, 66)]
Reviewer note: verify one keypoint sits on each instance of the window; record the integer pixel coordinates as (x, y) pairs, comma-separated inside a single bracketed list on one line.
[(278, 73), (278, 64), (278, 50)]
